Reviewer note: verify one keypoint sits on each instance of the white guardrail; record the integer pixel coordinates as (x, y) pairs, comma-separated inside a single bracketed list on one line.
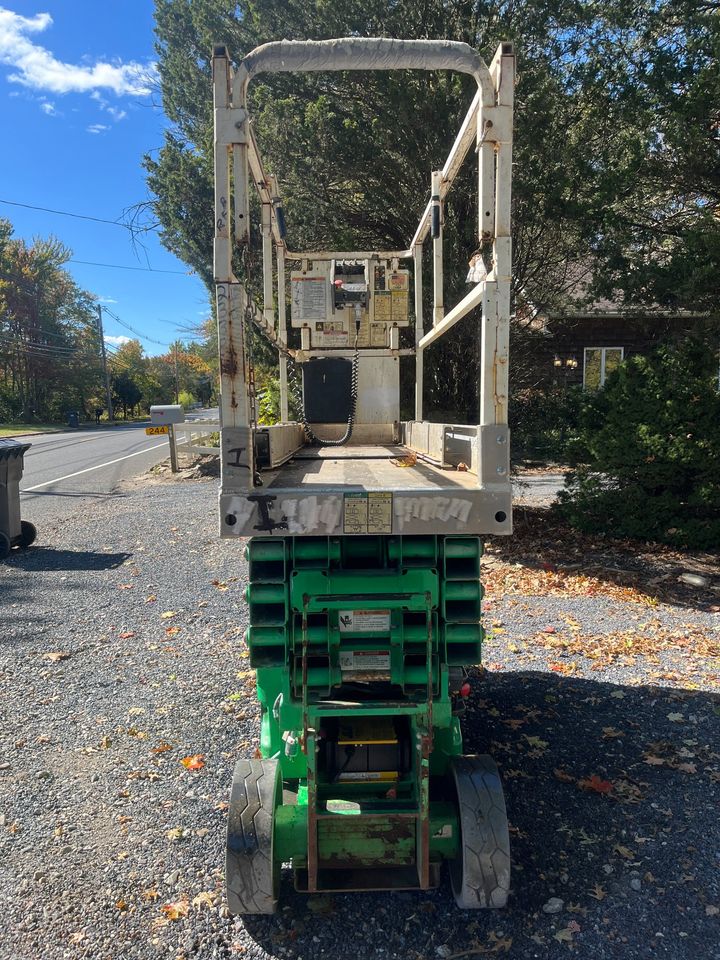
[(196, 432)]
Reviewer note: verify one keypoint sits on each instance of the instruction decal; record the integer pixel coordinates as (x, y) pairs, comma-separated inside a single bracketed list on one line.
[(308, 298), (364, 621), (365, 661), (367, 513)]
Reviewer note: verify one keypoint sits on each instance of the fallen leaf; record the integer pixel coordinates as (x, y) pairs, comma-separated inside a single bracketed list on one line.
[(172, 631), (121, 905), (168, 614), (564, 935), (151, 599), (161, 748), (711, 911), (596, 784), (654, 761), (105, 742), (177, 910), (617, 695), (151, 895), (549, 630), (126, 586), (563, 776), (127, 634), (625, 852), (194, 762), (598, 892), (610, 733), (205, 899), (676, 718), (175, 834), (57, 656)]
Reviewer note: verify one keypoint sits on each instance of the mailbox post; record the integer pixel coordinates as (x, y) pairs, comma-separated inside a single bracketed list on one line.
[(169, 415)]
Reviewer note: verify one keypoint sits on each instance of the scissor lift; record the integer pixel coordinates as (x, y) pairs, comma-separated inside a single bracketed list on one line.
[(364, 554)]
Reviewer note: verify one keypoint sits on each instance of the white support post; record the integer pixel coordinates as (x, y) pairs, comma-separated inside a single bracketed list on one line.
[(419, 355), (282, 334), (221, 99), (436, 229), (267, 257)]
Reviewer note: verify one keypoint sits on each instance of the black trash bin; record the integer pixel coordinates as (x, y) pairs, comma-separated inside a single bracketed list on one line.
[(14, 532), (73, 419)]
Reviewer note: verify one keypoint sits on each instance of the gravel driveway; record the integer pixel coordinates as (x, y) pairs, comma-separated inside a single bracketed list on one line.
[(121, 654)]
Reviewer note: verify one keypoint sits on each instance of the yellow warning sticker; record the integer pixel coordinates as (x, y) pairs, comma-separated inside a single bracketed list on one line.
[(399, 305), (379, 513), (383, 306), (355, 513), (367, 513)]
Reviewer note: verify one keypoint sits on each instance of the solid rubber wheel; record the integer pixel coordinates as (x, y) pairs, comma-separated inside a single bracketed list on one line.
[(5, 545), (28, 533), (252, 878), (480, 875)]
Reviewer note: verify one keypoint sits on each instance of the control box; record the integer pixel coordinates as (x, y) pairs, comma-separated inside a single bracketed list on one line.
[(329, 295)]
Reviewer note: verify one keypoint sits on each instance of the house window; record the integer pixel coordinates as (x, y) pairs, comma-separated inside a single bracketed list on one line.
[(599, 362)]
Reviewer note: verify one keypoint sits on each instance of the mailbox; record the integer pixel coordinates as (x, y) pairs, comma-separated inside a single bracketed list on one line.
[(172, 413)]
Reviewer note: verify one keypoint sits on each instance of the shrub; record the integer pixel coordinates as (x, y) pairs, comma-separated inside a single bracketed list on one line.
[(649, 442), (544, 423)]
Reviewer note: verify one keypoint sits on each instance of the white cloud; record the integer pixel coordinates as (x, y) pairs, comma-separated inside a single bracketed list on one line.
[(117, 341), (39, 69), (106, 300), (115, 112), (48, 108), (97, 128)]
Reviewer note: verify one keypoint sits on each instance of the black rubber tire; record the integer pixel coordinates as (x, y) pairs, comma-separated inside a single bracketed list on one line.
[(252, 877), (5, 545), (480, 875), (28, 533)]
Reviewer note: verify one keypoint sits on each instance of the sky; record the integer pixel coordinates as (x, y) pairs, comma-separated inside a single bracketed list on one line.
[(79, 108)]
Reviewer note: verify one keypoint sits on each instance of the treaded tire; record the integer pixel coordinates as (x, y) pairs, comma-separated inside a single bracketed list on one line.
[(480, 875), (5, 545), (252, 878), (28, 533)]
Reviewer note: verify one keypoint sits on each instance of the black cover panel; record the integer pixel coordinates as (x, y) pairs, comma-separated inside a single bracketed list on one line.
[(326, 389)]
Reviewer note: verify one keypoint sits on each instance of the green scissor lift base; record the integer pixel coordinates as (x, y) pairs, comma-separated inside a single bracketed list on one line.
[(359, 644)]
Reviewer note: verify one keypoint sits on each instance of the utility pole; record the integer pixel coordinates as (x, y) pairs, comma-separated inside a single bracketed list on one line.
[(111, 415), (177, 385)]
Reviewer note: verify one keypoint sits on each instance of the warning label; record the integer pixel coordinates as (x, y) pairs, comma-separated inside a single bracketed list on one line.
[(365, 661), (368, 621), (308, 298), (379, 513), (355, 513), (367, 513)]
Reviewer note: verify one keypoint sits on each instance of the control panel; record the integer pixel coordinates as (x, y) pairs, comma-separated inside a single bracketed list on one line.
[(330, 296)]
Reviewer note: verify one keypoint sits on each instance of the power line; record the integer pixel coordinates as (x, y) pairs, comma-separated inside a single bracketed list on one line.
[(127, 326), (66, 213), (122, 266)]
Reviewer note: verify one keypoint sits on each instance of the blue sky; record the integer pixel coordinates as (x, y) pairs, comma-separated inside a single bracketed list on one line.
[(79, 110)]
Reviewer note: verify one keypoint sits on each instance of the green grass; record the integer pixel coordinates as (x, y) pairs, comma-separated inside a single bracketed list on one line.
[(19, 429)]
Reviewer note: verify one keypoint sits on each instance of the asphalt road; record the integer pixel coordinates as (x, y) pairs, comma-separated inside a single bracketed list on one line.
[(68, 472)]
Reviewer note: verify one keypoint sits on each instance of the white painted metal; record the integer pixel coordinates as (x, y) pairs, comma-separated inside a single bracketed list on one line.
[(267, 255), (348, 255), (417, 262), (282, 333), (460, 310), (489, 123), (436, 201)]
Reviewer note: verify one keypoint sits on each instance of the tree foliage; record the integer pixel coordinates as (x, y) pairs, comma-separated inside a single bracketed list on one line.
[(616, 144), (49, 340), (650, 450)]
